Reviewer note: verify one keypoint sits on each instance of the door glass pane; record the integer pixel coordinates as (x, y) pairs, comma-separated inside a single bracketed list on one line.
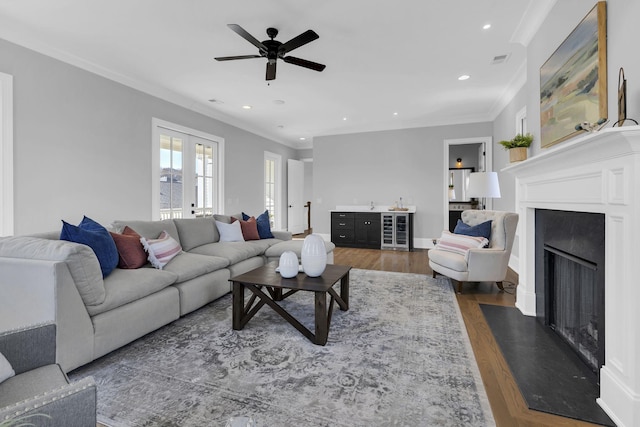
[(204, 168), (170, 177), (270, 188)]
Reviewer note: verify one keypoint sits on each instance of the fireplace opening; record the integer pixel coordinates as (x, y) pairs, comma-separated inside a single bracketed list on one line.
[(573, 313), (570, 280)]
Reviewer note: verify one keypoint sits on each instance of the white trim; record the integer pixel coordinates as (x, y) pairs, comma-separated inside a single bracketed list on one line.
[(277, 158), (156, 125), (6, 155), (532, 18), (488, 167)]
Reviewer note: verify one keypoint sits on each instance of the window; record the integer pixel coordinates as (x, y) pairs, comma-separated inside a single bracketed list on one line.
[(6, 155), (188, 172), (272, 174)]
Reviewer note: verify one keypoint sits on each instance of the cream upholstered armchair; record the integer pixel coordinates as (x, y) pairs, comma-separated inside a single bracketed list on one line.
[(479, 264)]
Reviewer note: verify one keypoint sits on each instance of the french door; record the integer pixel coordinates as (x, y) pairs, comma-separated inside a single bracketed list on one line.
[(189, 175)]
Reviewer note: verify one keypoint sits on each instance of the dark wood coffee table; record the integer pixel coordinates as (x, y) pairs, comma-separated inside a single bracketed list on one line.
[(266, 278)]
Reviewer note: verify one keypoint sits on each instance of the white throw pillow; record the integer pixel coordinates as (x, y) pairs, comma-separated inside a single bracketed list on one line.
[(6, 371), (161, 250), (230, 232)]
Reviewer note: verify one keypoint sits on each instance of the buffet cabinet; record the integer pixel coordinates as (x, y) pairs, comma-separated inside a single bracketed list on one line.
[(356, 229)]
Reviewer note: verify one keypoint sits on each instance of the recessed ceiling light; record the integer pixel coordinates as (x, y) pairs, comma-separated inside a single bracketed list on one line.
[(344, 118), (486, 26), (464, 77), (247, 107), (395, 114), (302, 138)]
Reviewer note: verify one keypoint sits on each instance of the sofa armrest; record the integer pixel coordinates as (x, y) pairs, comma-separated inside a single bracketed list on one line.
[(282, 234), (70, 405), (29, 347)]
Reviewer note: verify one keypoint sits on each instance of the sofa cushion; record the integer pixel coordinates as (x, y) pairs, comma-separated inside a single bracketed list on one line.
[(230, 232), (130, 251), (161, 250), (294, 246), (264, 224), (6, 370), (249, 229), (80, 259), (150, 229), (92, 234), (232, 251), (189, 265), (263, 244), (195, 232), (480, 230), (460, 243), (125, 286), (448, 259), (31, 383)]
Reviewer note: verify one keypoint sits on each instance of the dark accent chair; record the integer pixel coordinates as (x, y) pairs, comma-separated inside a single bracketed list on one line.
[(40, 393)]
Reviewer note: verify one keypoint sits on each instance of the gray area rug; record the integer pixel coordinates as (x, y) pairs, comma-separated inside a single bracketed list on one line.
[(399, 357)]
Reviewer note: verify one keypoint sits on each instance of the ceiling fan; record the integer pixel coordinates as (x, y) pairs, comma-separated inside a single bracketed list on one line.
[(273, 49)]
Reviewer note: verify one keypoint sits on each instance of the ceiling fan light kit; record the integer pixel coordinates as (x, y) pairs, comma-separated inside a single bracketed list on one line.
[(274, 50)]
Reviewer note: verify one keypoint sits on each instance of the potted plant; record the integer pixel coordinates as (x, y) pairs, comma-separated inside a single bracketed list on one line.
[(518, 146)]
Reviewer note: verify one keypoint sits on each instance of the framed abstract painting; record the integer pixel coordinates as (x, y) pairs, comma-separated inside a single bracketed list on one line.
[(573, 81)]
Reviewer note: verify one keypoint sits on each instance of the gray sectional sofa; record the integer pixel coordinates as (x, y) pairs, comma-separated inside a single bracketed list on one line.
[(43, 278)]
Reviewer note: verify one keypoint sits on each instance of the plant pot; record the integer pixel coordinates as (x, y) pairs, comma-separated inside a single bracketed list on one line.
[(517, 154)]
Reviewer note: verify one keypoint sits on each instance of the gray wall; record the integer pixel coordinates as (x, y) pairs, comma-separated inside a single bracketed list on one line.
[(623, 34), (82, 146), (384, 166)]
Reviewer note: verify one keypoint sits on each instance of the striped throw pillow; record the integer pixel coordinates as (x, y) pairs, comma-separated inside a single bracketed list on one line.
[(460, 243), (161, 250)]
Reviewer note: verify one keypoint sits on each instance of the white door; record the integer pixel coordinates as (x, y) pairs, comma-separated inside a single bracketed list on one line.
[(295, 196), (188, 170)]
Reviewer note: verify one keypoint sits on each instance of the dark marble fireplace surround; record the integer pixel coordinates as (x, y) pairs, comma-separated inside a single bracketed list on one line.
[(570, 254)]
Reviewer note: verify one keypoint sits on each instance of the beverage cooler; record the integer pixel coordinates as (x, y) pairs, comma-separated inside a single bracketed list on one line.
[(397, 233)]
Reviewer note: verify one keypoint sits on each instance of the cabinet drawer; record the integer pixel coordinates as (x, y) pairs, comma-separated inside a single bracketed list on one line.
[(342, 221), (345, 237)]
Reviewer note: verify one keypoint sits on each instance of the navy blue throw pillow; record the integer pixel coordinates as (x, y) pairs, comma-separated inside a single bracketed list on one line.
[(92, 234), (264, 224), (480, 230)]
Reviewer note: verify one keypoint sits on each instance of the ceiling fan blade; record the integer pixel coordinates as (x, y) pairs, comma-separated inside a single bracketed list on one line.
[(271, 70), (248, 37), (296, 42), (304, 63), (231, 58)]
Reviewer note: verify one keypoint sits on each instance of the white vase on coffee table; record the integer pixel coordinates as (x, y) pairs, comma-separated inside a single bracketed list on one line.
[(288, 266), (314, 255)]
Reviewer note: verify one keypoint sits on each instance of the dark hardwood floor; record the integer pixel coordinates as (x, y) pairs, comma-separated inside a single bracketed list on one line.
[(508, 406)]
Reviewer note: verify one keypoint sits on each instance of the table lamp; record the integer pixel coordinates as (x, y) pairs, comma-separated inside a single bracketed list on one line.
[(483, 185)]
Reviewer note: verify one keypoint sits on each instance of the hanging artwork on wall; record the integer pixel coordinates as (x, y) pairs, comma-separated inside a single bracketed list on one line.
[(573, 81)]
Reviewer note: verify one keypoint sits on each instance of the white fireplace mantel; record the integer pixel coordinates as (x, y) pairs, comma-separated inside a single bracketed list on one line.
[(598, 172)]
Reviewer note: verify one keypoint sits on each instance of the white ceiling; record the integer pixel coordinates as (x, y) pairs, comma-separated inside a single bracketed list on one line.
[(382, 57)]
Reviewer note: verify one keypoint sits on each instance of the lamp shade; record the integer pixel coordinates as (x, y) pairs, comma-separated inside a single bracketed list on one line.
[(483, 184)]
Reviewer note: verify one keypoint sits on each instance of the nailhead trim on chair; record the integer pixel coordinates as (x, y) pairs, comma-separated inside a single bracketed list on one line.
[(58, 393)]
